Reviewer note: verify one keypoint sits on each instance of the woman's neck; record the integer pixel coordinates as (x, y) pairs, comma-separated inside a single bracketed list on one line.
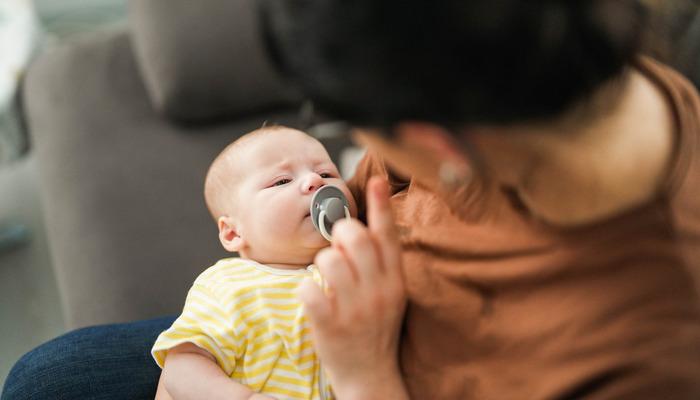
[(573, 171)]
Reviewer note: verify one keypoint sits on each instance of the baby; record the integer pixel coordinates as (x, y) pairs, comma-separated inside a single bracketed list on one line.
[(243, 333)]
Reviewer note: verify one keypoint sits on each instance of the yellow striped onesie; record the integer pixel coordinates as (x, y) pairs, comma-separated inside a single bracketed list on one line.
[(248, 317)]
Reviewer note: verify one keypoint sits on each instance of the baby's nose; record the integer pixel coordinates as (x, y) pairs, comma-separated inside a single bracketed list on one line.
[(312, 183)]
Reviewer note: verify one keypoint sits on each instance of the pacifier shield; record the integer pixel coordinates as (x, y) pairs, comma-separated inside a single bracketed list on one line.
[(332, 202)]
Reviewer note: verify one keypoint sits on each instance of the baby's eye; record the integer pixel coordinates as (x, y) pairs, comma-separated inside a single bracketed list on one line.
[(326, 175), (281, 182)]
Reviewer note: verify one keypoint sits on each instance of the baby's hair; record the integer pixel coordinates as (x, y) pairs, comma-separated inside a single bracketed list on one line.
[(222, 175)]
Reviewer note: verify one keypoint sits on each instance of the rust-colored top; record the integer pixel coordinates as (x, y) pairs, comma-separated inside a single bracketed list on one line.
[(502, 306)]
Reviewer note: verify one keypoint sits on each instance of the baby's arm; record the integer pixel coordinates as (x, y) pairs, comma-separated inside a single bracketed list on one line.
[(192, 373), (161, 393)]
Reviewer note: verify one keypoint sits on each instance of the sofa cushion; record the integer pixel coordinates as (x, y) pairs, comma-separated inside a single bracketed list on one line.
[(204, 60), (121, 187)]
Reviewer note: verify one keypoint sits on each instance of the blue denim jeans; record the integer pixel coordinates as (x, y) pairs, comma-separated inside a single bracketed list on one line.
[(100, 362)]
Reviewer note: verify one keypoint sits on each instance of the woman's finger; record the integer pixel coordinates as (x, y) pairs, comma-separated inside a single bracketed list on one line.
[(318, 306), (381, 225), (353, 240), (338, 275)]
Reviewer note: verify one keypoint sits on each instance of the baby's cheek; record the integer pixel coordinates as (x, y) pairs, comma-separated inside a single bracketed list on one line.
[(279, 222)]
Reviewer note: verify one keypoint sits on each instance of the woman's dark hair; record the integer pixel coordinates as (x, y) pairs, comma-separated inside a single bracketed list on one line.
[(455, 62)]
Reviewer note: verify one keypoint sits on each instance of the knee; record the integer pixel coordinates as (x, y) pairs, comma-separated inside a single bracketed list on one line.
[(103, 358), (35, 373)]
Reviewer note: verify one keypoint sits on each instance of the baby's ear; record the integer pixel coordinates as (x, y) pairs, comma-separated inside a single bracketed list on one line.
[(229, 235)]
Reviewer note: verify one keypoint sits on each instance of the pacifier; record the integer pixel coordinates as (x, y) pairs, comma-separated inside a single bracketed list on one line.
[(328, 205)]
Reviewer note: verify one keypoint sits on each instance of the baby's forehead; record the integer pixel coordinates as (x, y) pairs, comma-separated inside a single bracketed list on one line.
[(279, 144)]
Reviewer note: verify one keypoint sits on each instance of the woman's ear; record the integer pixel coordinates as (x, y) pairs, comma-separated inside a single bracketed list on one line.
[(229, 236)]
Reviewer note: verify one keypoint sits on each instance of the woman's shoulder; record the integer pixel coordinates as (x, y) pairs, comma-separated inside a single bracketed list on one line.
[(684, 101)]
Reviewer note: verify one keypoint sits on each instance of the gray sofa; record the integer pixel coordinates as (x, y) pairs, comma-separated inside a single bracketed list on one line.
[(124, 124)]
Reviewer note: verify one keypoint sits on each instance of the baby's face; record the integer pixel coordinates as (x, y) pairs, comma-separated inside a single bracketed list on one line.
[(280, 172)]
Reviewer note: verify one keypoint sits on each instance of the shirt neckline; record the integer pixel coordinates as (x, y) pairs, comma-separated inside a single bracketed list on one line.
[(277, 271)]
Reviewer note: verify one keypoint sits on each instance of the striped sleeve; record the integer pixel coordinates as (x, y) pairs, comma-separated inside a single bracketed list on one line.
[(206, 323)]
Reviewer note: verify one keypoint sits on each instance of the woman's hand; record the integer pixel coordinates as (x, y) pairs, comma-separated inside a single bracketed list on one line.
[(356, 322)]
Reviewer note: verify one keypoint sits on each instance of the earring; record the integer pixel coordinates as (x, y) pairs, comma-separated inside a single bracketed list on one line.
[(453, 176)]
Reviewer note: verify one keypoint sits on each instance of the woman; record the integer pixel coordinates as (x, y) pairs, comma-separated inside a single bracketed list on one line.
[(542, 180)]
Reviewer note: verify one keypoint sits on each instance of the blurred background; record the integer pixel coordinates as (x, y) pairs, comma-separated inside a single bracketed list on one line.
[(30, 311), (39, 298)]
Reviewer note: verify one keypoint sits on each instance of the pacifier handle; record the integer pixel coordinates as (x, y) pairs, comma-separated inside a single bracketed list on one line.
[(322, 223), (328, 205)]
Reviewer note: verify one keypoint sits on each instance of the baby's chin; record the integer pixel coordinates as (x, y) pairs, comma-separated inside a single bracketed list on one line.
[(316, 241)]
